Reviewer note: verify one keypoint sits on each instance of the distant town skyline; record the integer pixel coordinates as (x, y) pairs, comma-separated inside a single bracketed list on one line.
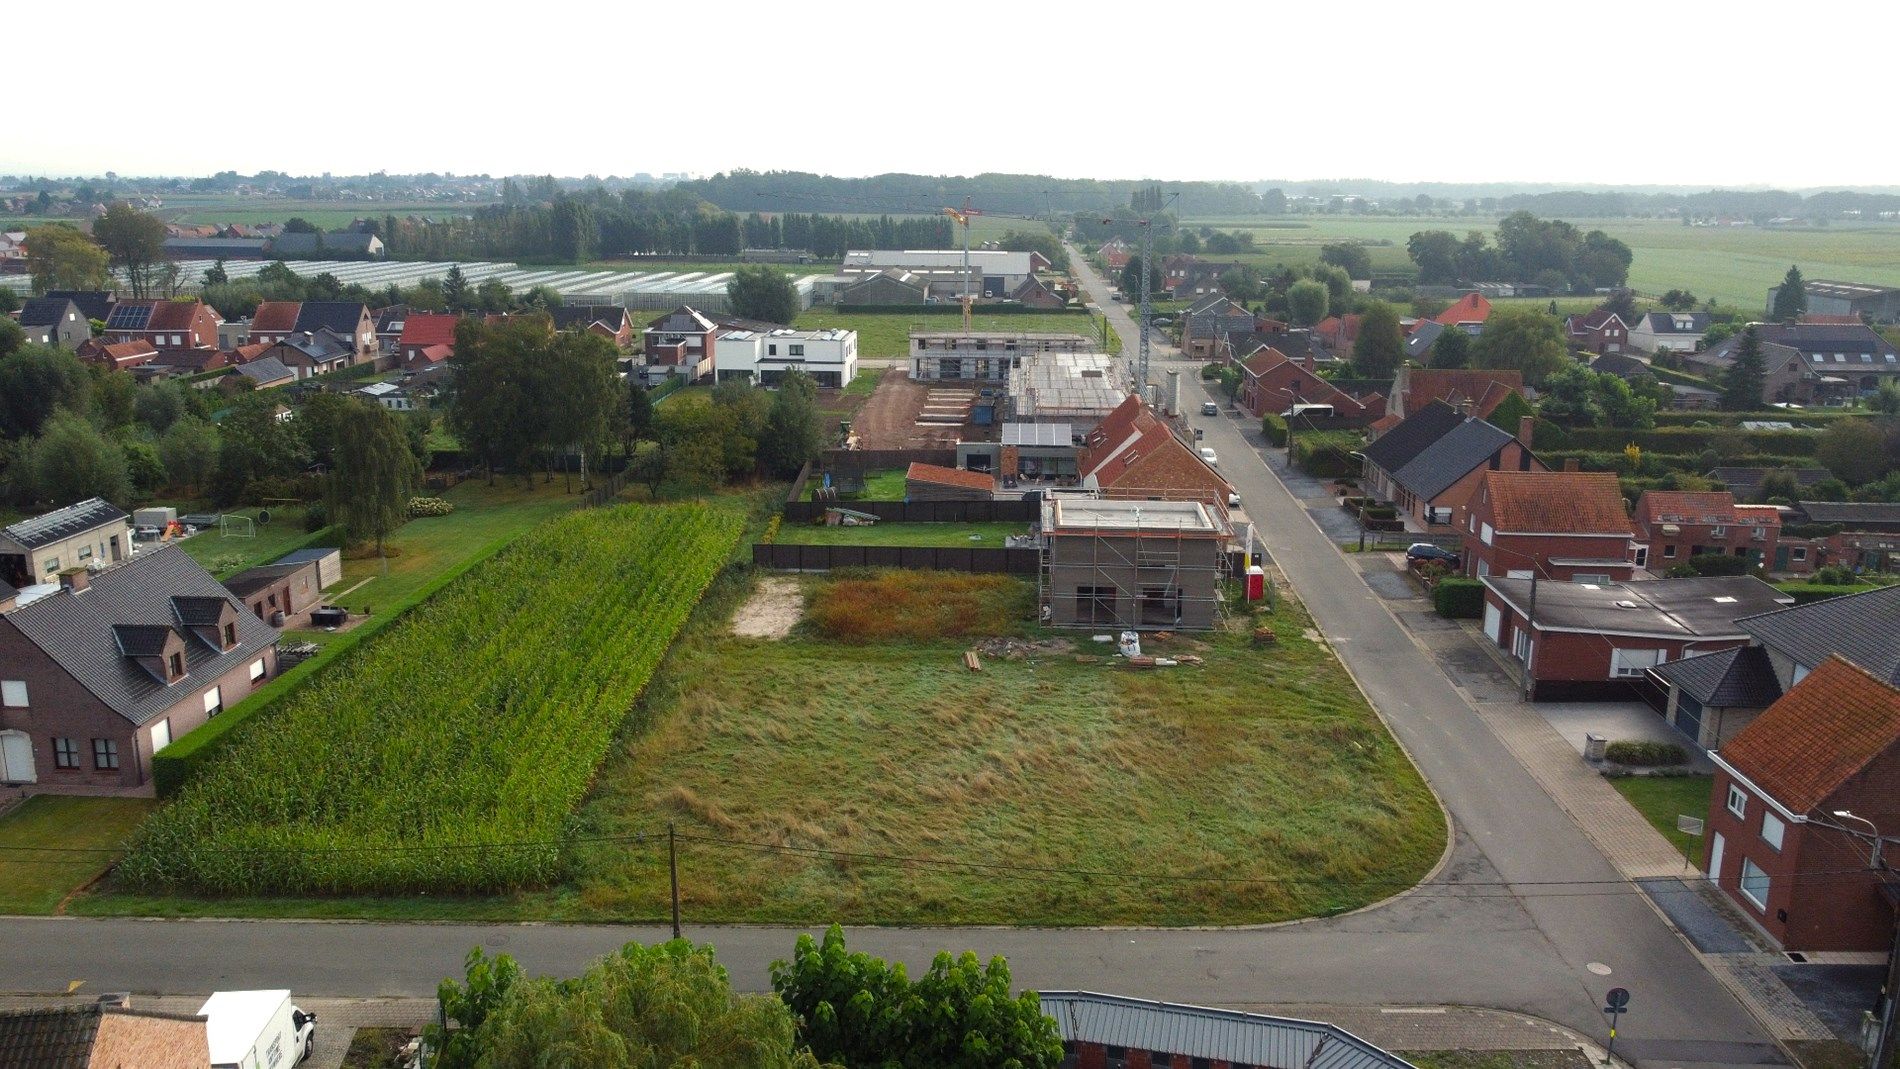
[(1637, 94)]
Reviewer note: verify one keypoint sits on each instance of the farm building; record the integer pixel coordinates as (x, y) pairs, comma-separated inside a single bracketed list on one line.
[(1154, 565), (1878, 303), (933, 482)]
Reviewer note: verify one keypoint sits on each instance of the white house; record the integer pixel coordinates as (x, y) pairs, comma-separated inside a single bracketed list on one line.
[(1669, 332), (830, 357), (389, 395)]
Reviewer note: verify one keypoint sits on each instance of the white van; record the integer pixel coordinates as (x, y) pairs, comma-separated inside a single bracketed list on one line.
[(257, 1030)]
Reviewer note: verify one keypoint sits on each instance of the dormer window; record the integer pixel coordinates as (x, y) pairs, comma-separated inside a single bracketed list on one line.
[(175, 665), (230, 635)]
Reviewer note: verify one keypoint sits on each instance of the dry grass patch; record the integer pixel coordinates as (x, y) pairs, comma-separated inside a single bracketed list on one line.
[(913, 606)]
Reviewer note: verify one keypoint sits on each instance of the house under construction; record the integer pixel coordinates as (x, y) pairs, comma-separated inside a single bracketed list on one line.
[(1154, 565), (983, 356)]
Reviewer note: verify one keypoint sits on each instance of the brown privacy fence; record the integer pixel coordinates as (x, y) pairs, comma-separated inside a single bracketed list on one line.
[(920, 511), (922, 558), (882, 459)]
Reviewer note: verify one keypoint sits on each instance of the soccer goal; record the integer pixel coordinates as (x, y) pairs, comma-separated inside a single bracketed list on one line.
[(237, 526)]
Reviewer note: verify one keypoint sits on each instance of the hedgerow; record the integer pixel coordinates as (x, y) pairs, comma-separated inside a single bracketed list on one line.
[(448, 754)]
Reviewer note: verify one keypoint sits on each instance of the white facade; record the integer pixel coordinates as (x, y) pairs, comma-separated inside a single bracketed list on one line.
[(830, 357), (1684, 339)]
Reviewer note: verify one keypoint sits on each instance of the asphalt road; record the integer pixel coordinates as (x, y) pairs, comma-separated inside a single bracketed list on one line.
[(1460, 939)]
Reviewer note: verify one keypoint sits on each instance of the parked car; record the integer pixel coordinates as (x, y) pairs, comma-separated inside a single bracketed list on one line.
[(1208, 454), (1209, 408), (1421, 552)]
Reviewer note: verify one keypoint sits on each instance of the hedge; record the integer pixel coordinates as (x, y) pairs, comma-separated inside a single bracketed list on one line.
[(1803, 593), (954, 309), (1459, 599), (1690, 440), (1274, 427), (1664, 463), (1799, 417), (1644, 752), (1325, 454), (174, 766)]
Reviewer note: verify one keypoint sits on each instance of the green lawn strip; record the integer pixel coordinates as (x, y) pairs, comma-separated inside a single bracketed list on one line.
[(980, 535), (886, 484), (225, 555), (1660, 799), (887, 334), (1497, 1059), (34, 882), (864, 383), (1263, 765)]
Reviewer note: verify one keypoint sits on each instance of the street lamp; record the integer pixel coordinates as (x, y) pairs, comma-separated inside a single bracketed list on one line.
[(1874, 861)]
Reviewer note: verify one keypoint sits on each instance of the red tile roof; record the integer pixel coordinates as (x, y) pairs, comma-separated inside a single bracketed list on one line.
[(942, 476), (1486, 390), (1820, 735), (118, 354), (244, 354), (1566, 502), (1471, 308), (1386, 422), (431, 354), (429, 328), (275, 317), (1830, 320), (1680, 506), (175, 315)]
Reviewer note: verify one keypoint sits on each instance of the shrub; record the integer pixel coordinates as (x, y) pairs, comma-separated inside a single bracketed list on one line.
[(1804, 593), (316, 518), (1644, 753), (428, 506), (1274, 427), (1717, 564), (1459, 599)]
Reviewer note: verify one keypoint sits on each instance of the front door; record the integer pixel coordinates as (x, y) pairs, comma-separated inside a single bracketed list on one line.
[(16, 757), (1689, 717), (1715, 857)]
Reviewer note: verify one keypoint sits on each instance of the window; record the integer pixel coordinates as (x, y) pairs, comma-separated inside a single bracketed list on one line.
[(1800, 553), (257, 669), (65, 753), (177, 665), (1521, 646), (1642, 556), (1737, 801), (1631, 664), (1668, 552), (52, 565), (1485, 533), (13, 693), (795, 350), (771, 350), (214, 701), (230, 635), (1771, 830), (1754, 884), (85, 552), (105, 754), (161, 735), (1717, 531)]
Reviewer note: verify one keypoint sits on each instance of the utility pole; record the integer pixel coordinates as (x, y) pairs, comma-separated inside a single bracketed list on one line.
[(1530, 635), (673, 873)]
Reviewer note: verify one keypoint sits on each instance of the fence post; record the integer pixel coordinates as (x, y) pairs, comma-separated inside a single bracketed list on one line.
[(673, 873)]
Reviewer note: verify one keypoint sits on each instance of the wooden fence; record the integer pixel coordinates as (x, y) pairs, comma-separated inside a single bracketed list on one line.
[(921, 511)]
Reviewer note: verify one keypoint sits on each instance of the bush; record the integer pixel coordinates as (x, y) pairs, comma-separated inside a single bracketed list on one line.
[(1644, 753), (1459, 599), (316, 518), (428, 506), (1717, 564), (1274, 427), (1804, 593)]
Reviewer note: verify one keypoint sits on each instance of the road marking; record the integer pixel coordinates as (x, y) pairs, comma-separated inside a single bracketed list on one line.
[(1599, 968), (1411, 1009), (74, 985)]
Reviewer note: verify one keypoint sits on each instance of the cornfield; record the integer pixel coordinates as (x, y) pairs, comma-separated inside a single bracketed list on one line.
[(448, 754)]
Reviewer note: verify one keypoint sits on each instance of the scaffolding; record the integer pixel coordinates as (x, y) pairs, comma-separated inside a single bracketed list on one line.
[(1131, 565)]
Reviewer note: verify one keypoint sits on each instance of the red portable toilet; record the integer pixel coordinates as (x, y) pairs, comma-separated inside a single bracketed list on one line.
[(1256, 582)]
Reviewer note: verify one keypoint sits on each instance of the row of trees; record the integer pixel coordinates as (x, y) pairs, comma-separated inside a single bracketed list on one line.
[(1544, 252), (672, 1004)]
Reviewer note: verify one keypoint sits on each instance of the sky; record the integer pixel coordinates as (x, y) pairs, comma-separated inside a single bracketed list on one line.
[(1659, 92)]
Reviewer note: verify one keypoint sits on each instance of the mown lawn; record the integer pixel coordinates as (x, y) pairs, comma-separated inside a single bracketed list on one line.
[(884, 485), (1660, 799), (42, 860), (224, 555), (985, 535), (1259, 787), (887, 334)]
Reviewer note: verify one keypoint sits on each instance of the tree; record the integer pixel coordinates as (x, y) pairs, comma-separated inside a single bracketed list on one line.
[(12, 338), (373, 475), (1380, 347), (1306, 302), (639, 419), (143, 469), (1436, 253), (1242, 282), (189, 451), (764, 293), (1746, 377), (1188, 242), (455, 289), (1791, 297), (1886, 399), (1569, 397), (9, 303), (134, 240), (159, 405), (35, 382), (1623, 303), (1451, 349), (61, 258), (1349, 256), (668, 1005), (584, 411), (864, 1013), (1679, 300), (1523, 339), (791, 435), (1131, 279), (72, 461), (1338, 287), (1040, 240), (297, 224), (254, 444), (216, 275), (1855, 450)]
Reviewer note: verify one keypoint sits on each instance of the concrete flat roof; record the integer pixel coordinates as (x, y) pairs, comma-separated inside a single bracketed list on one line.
[(1156, 517)]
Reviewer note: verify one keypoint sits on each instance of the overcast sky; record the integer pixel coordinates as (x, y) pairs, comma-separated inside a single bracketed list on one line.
[(1658, 92)]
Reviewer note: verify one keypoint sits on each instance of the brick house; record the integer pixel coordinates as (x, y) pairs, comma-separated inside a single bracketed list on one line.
[(55, 321), (1591, 640), (274, 321), (1780, 805), (1271, 381), (1208, 319), (113, 667), (287, 587), (610, 321), (1823, 359), (682, 342), (168, 326), (420, 330), (1475, 391), (1338, 333), (1114, 1032), (1567, 526), (1601, 331), (1115, 254), (117, 356), (1430, 463), (1468, 313), (1134, 454), (1674, 525)]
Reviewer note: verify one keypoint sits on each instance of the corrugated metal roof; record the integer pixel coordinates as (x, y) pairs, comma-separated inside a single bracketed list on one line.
[(1219, 1035), (1038, 434)]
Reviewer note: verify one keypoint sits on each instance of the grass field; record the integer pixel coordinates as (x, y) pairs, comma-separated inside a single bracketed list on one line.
[(1660, 799), (885, 485), (1263, 765), (887, 334), (219, 210), (823, 267), (981, 535), (35, 882), (225, 555), (1736, 265)]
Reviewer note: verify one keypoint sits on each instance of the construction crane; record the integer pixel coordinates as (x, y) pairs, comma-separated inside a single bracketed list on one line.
[(963, 217)]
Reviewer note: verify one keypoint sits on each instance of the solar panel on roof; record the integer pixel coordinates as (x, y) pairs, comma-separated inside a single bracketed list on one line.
[(129, 317)]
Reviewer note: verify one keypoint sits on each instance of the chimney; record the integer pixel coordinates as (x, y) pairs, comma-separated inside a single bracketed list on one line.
[(1526, 427), (73, 580), (1573, 464)]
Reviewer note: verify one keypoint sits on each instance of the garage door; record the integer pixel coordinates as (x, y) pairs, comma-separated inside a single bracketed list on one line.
[(16, 757), (1492, 622)]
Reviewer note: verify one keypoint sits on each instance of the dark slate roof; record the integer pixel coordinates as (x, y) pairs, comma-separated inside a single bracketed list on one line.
[(1397, 447), (193, 248), (77, 630), (8, 590), (58, 1037), (1879, 513), (1619, 364), (1216, 1035), (1702, 607), (50, 527), (325, 344), (266, 369), (1665, 323), (198, 610), (1450, 458), (141, 640), (251, 580), (582, 316), (341, 316), (1422, 338), (1739, 678), (1864, 628), (44, 311), (96, 304), (1750, 479)]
